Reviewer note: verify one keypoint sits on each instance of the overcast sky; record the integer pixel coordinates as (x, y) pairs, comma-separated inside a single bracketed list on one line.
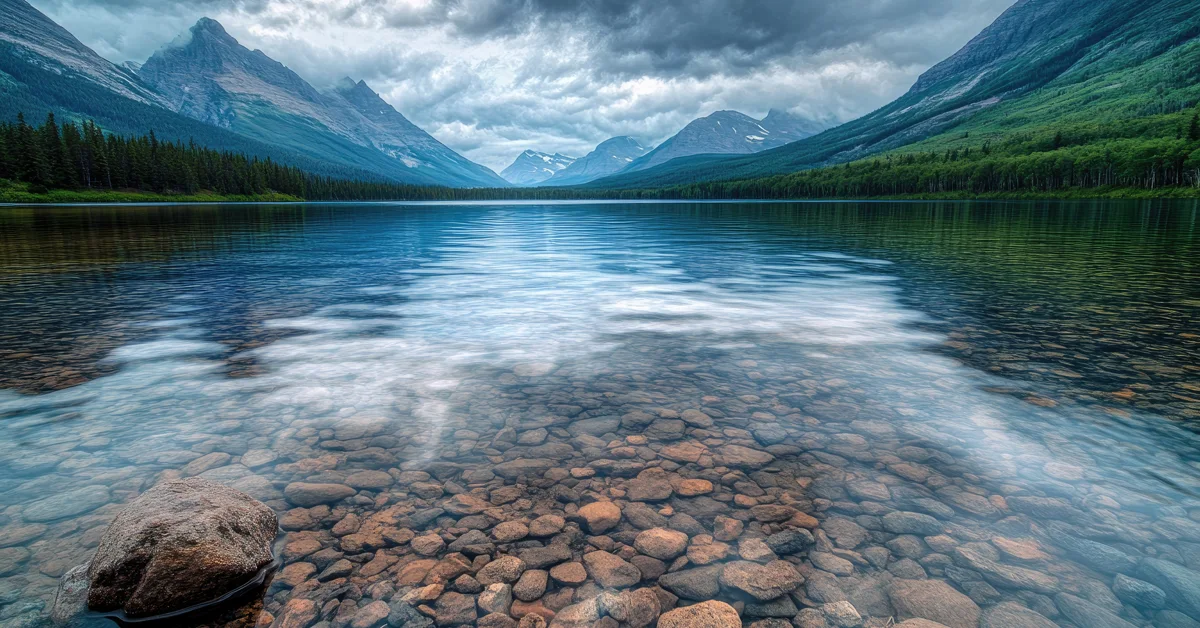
[(491, 78)]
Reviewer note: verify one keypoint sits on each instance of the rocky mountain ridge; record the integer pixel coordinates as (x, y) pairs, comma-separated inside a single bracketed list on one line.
[(729, 133), (211, 77), (532, 168), (610, 157)]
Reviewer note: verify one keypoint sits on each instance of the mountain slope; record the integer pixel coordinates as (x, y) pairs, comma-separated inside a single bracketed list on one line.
[(53, 47), (209, 76), (728, 133), (610, 157), (1035, 45), (43, 68), (532, 168)]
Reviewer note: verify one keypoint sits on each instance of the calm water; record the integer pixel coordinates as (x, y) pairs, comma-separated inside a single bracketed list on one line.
[(1028, 375)]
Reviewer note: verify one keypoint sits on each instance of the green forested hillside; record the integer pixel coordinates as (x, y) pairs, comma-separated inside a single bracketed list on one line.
[(1135, 129), (76, 98), (62, 162), (1114, 65)]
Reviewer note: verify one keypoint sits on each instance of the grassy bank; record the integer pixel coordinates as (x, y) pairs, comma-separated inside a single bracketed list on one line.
[(11, 192), (19, 193)]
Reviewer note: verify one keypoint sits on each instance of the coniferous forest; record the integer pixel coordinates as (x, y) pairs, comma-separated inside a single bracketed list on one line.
[(82, 158), (69, 156)]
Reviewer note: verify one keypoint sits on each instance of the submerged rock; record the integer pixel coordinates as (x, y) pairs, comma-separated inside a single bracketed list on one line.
[(181, 544), (712, 614)]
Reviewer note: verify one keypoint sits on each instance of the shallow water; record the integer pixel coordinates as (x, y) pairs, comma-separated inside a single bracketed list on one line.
[(1024, 373)]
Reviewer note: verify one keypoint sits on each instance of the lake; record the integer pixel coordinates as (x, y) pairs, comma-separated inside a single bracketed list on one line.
[(959, 410)]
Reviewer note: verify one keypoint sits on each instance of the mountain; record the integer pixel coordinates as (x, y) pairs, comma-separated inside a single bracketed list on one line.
[(1034, 47), (787, 128), (40, 41), (610, 157), (532, 168), (43, 68), (208, 76), (728, 133)]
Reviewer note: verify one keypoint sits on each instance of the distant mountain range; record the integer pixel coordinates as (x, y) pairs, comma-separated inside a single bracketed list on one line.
[(722, 133), (210, 88), (532, 168), (1071, 45), (729, 133), (610, 157)]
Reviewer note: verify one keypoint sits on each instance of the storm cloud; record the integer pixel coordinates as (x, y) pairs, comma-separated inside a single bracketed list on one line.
[(492, 78)]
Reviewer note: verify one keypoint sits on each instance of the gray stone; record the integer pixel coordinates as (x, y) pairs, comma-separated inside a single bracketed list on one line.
[(911, 523), (543, 557), (701, 583), (1004, 576), (1182, 585), (514, 469), (308, 495), (933, 600), (1013, 615), (595, 427), (67, 504), (1139, 593), (531, 585), (790, 541), (1084, 613), (1174, 619), (180, 544)]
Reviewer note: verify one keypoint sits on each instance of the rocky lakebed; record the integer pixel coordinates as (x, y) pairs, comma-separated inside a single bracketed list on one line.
[(782, 500), (485, 416)]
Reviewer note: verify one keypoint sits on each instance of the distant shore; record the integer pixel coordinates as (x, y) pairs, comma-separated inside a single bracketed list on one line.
[(20, 194)]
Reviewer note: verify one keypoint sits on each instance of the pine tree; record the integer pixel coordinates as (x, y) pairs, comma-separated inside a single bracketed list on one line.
[(52, 147), (1194, 130), (31, 159)]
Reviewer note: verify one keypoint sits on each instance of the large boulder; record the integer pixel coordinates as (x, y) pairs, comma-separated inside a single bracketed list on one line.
[(180, 544)]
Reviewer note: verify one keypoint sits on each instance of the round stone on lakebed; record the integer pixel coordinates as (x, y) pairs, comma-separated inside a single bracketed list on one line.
[(179, 545)]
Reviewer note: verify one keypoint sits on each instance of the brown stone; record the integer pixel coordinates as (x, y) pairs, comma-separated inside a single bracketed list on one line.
[(692, 488), (611, 571), (727, 529), (661, 543), (570, 574), (763, 582), (600, 517), (510, 532), (455, 609), (295, 573), (465, 504), (547, 525), (297, 613), (506, 570), (711, 614)]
